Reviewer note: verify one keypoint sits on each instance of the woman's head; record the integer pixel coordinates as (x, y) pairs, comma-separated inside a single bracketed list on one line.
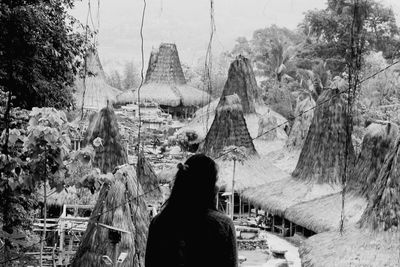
[(195, 184)]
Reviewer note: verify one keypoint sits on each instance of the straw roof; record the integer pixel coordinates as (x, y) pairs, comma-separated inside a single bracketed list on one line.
[(383, 210), (299, 130), (148, 180), (356, 247), (276, 197), (322, 158), (242, 82), (376, 144), (375, 241), (72, 195), (251, 173), (103, 130), (323, 214), (98, 93), (118, 207), (228, 129), (165, 82)]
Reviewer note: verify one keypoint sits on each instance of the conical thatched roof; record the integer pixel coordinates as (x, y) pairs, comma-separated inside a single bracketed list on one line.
[(376, 144), (105, 137), (148, 180), (301, 125), (228, 128), (165, 82), (322, 158), (117, 207), (98, 93), (375, 241), (242, 82), (383, 210)]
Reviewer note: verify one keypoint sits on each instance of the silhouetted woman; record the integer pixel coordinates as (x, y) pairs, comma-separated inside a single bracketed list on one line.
[(189, 231)]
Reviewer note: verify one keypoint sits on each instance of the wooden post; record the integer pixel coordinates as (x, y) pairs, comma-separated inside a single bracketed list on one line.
[(240, 206), (283, 226), (290, 228), (233, 189), (217, 199), (273, 223), (249, 208)]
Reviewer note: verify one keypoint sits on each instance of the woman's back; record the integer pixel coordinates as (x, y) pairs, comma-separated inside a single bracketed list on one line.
[(204, 239)]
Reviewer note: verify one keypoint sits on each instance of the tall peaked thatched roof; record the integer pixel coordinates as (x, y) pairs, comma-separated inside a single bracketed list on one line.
[(322, 158), (228, 128), (383, 210), (241, 81), (148, 180), (165, 82), (301, 125), (375, 241), (105, 137), (98, 93), (376, 144), (119, 207), (165, 66)]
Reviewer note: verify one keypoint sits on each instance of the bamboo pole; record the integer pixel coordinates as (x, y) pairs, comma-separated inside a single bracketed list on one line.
[(233, 189)]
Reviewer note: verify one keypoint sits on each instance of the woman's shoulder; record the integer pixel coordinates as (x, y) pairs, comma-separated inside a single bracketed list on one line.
[(219, 217)]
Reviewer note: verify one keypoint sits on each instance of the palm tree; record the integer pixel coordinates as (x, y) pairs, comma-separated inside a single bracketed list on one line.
[(279, 59)]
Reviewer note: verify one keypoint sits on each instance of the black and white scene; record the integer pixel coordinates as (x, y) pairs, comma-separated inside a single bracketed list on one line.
[(199, 133)]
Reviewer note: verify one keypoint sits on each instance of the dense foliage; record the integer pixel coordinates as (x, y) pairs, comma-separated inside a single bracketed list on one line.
[(39, 52)]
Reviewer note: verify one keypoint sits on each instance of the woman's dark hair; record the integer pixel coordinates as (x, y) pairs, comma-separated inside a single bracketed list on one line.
[(194, 188)]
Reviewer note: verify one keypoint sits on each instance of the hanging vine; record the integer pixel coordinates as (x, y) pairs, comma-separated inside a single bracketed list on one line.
[(208, 63)]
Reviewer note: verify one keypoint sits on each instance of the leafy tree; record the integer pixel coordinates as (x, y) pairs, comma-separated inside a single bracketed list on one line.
[(329, 35), (38, 52), (242, 47)]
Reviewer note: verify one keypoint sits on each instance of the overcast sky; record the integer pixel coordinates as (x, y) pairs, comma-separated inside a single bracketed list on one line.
[(186, 23)]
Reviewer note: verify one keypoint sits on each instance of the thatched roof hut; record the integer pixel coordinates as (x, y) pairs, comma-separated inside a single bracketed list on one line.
[(104, 135), (98, 93), (251, 173), (375, 241), (119, 207), (204, 117), (148, 180), (242, 82), (301, 125), (376, 144), (228, 129), (165, 83), (323, 214), (322, 158), (276, 197)]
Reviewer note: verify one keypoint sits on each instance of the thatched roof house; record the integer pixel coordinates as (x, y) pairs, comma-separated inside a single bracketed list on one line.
[(98, 93), (118, 207), (321, 164), (375, 241), (228, 129), (322, 158), (148, 180), (103, 134), (242, 82), (304, 115), (165, 83), (323, 214), (276, 197)]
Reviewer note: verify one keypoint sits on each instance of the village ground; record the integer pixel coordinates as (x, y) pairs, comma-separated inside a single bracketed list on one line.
[(261, 258)]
